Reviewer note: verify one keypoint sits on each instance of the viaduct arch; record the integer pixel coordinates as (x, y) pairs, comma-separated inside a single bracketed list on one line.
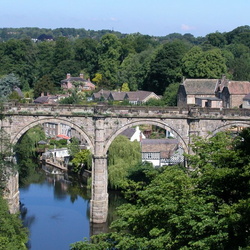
[(99, 125)]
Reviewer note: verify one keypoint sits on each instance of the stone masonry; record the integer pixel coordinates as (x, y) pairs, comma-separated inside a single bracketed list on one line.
[(99, 125)]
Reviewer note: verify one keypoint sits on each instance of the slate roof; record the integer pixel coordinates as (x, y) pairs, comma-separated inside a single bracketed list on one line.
[(200, 86), (166, 147), (117, 96), (129, 132), (102, 92), (238, 87), (46, 99), (139, 95)]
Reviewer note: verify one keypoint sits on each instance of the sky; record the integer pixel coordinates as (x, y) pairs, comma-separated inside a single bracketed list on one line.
[(148, 17)]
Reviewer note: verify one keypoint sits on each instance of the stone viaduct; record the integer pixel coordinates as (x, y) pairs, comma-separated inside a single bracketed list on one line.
[(100, 125)]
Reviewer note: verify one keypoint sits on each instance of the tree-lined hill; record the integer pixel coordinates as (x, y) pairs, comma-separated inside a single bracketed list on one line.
[(111, 58)]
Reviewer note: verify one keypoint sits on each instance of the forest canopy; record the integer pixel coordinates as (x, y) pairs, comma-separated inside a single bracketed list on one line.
[(43, 57)]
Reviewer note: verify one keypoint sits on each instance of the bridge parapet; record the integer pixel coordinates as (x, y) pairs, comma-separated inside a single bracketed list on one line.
[(120, 111)]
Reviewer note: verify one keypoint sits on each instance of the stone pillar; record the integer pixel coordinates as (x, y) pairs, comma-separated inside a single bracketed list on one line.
[(11, 193), (99, 196), (194, 130)]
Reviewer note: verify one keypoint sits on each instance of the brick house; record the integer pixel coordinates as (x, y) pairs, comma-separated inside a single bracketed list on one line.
[(233, 93), (83, 84)]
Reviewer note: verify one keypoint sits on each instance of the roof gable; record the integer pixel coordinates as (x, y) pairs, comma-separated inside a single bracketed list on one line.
[(200, 86), (238, 87)]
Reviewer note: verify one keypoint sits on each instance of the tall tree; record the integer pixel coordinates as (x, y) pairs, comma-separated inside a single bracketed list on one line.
[(166, 67), (44, 85), (109, 50), (7, 85), (207, 64)]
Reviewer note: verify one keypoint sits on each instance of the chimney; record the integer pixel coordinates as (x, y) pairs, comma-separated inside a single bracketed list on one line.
[(68, 76), (81, 75)]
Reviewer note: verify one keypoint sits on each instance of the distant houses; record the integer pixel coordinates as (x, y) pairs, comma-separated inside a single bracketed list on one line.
[(213, 93), (80, 82), (133, 97)]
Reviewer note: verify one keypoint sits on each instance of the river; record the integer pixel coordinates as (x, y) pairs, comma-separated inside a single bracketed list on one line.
[(56, 211)]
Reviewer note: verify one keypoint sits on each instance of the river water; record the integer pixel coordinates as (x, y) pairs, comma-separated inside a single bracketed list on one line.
[(56, 211)]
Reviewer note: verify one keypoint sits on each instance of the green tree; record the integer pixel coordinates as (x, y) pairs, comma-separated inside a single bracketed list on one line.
[(170, 95), (7, 84), (44, 62), (44, 85), (122, 155), (125, 87), (73, 147), (217, 39), (203, 207), (86, 54), (12, 233), (208, 64), (166, 67), (81, 160), (109, 50), (25, 149)]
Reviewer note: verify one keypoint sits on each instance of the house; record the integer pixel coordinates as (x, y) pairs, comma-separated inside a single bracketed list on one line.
[(101, 95), (116, 96), (208, 102), (71, 82), (140, 96), (46, 99), (191, 89), (234, 92), (133, 134), (162, 152)]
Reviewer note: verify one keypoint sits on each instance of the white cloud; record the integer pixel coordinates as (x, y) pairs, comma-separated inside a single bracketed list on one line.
[(186, 27)]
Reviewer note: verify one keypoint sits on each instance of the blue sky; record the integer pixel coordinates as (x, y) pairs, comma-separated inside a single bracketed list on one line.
[(149, 17)]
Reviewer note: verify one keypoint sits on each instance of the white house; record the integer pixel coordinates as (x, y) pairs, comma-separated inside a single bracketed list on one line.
[(134, 134), (161, 152)]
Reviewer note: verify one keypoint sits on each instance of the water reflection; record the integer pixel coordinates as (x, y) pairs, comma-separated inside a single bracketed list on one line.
[(56, 211)]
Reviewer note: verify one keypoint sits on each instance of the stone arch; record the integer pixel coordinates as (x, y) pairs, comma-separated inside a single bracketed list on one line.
[(161, 124), (227, 126), (55, 120)]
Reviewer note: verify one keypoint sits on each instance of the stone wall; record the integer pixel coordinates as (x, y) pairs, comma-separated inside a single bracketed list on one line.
[(11, 193)]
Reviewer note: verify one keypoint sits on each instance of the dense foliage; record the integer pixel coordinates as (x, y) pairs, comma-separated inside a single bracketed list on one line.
[(41, 58), (203, 207), (12, 234), (123, 154), (26, 151)]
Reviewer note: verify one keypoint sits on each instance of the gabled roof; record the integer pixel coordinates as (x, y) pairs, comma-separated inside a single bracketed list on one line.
[(46, 99), (102, 92), (139, 95), (166, 147), (200, 86), (117, 96), (238, 87)]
